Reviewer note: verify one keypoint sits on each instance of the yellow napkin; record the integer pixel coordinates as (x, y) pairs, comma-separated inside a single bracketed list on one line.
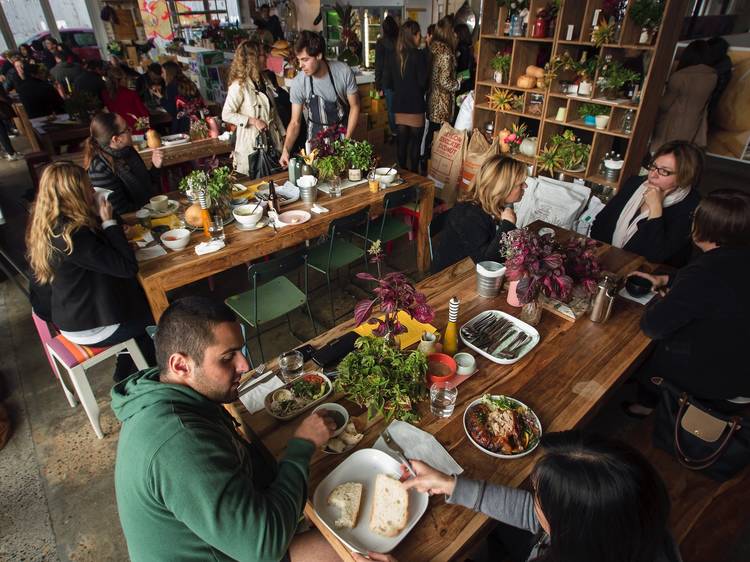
[(170, 220), (250, 190), (413, 332), (136, 232)]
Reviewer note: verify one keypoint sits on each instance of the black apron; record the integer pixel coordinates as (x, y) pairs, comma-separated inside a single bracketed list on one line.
[(321, 113)]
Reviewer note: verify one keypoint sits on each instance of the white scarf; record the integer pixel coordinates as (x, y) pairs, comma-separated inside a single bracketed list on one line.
[(625, 228)]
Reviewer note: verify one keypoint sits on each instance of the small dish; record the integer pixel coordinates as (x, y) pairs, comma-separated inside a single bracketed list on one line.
[(294, 217), (337, 413), (176, 239), (440, 367), (465, 363), (638, 286), (172, 207), (171, 140)]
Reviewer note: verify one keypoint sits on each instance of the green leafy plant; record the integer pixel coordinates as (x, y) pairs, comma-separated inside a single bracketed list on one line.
[(82, 105), (586, 70), (565, 152), (514, 6), (358, 154), (613, 76), (647, 13), (604, 33), (501, 63), (501, 99), (216, 183), (548, 160), (385, 380), (553, 8), (592, 109), (330, 166)]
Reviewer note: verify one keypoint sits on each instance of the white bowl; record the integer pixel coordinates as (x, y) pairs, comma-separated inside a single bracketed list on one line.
[(386, 177), (176, 239), (338, 408), (248, 215)]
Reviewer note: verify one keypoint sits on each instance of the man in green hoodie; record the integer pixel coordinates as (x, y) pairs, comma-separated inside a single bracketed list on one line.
[(188, 486)]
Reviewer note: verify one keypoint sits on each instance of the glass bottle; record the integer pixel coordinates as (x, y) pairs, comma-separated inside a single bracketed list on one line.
[(450, 336), (273, 198), (628, 121)]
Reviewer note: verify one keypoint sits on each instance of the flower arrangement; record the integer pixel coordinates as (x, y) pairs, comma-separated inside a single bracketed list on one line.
[(142, 123), (518, 132), (394, 292), (324, 140), (330, 166), (603, 33), (216, 183), (190, 107), (564, 152), (647, 13), (198, 128), (501, 99)]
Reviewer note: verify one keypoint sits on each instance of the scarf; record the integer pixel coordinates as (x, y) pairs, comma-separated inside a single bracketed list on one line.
[(625, 228)]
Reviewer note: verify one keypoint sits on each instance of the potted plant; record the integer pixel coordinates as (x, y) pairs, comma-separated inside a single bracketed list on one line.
[(198, 128), (613, 76), (589, 111), (359, 156), (501, 99), (208, 190), (602, 34), (647, 15), (82, 106), (330, 166), (515, 138), (564, 152), (500, 63), (582, 265), (585, 71)]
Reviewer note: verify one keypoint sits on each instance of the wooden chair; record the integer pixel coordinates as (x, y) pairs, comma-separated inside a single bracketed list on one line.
[(23, 124)]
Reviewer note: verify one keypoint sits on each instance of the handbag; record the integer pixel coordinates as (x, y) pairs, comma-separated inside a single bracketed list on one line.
[(264, 161), (701, 438)]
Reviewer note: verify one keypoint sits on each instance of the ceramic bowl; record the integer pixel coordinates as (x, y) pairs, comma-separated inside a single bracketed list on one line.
[(176, 239), (465, 363), (248, 215), (638, 286), (446, 362), (339, 414), (385, 176)]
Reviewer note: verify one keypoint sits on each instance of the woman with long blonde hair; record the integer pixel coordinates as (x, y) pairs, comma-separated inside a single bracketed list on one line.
[(83, 267), (250, 104), (482, 215)]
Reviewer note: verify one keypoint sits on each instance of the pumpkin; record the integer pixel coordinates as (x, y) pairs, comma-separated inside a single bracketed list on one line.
[(153, 140), (535, 71), (193, 215), (526, 82)]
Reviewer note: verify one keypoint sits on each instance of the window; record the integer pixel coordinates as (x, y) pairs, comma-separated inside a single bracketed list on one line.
[(84, 39)]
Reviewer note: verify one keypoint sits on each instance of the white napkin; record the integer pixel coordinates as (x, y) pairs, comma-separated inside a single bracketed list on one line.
[(419, 445), (645, 299), (150, 253), (225, 136), (208, 247), (318, 209), (273, 218), (101, 194), (254, 400), (145, 240)]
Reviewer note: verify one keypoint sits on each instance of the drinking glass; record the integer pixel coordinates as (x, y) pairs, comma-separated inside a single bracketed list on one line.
[(291, 364), (216, 230), (335, 186), (443, 397)]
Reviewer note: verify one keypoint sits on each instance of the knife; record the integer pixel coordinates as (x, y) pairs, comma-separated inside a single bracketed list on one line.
[(256, 382)]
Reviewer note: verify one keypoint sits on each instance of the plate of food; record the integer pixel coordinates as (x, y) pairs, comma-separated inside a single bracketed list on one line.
[(171, 140), (363, 503), (286, 192), (502, 426), (294, 217), (344, 441), (297, 396)]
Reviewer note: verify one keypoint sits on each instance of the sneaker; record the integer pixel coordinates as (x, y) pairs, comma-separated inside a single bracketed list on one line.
[(14, 156)]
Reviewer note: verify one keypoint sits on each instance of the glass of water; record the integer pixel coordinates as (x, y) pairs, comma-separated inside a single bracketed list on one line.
[(216, 229), (291, 363), (443, 397), (335, 186)]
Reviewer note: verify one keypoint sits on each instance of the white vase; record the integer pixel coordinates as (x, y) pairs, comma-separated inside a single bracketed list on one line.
[(497, 76), (645, 38), (355, 174), (602, 121), (584, 88)]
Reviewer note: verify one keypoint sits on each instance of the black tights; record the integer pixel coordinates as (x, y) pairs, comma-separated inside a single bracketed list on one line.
[(409, 143), (432, 128), (5, 139)]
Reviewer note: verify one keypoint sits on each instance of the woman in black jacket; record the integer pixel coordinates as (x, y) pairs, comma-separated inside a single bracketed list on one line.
[(407, 73), (476, 224), (701, 325), (651, 216), (79, 254), (114, 164), (385, 48), (38, 96)]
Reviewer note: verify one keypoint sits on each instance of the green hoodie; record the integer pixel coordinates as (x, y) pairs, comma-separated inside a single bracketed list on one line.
[(190, 488)]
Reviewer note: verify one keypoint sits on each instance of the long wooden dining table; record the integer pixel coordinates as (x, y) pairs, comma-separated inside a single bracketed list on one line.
[(177, 269), (564, 379)]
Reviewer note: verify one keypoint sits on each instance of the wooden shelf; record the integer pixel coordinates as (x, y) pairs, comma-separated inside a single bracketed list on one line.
[(600, 101), (535, 39), (509, 112), (596, 178), (578, 43), (579, 124), (607, 45), (522, 157)]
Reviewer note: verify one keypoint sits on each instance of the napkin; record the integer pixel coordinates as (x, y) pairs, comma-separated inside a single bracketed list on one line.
[(225, 136), (413, 332), (208, 247), (273, 217), (419, 445), (254, 400), (318, 209), (170, 220), (150, 253), (645, 299)]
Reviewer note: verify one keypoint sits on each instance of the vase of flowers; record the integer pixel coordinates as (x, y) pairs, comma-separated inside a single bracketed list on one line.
[(393, 293)]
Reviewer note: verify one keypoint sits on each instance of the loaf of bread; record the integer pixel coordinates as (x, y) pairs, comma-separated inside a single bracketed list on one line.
[(347, 497), (390, 507)]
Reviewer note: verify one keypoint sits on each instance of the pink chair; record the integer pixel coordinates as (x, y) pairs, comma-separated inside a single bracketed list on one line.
[(47, 333)]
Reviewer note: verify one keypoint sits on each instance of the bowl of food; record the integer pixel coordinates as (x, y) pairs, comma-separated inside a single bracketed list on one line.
[(337, 413), (176, 239), (502, 426), (248, 215), (638, 286), (298, 395), (440, 367), (386, 175)]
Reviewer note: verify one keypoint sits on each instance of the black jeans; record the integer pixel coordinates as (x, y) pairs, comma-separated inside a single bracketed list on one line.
[(5, 139), (131, 329), (432, 128), (409, 143)]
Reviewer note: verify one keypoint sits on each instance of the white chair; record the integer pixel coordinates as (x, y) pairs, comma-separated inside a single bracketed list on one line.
[(77, 359)]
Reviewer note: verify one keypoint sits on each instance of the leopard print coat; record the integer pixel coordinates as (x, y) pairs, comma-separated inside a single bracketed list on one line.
[(443, 83)]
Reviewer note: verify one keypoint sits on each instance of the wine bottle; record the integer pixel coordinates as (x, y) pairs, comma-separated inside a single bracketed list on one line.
[(274, 200), (450, 336)]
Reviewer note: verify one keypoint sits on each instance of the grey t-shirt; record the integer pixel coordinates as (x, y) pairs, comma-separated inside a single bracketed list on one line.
[(342, 75)]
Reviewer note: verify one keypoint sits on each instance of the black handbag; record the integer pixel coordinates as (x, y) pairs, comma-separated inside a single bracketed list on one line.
[(700, 437), (265, 160)]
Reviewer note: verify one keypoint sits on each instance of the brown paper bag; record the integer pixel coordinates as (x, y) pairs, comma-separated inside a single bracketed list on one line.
[(477, 152), (448, 149)]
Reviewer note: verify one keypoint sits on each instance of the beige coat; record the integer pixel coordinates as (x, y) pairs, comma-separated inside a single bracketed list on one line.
[(683, 107), (244, 101)]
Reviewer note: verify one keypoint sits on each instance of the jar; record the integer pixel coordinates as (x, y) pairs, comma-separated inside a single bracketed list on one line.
[(540, 29), (535, 104)]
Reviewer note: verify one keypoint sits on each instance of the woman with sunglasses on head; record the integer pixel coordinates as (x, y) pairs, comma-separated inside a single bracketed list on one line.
[(650, 216), (482, 215), (593, 499), (114, 164)]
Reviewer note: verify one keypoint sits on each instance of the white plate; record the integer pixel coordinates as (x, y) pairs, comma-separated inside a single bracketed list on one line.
[(289, 191), (530, 330), (172, 207), (288, 217), (363, 466), (257, 226), (171, 140), (500, 455)]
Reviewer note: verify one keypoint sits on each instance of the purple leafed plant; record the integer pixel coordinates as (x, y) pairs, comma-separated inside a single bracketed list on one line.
[(393, 292), (324, 140), (582, 264)]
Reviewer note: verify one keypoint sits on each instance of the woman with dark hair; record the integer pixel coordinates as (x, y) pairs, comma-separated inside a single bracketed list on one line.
[(181, 97), (385, 49), (700, 326), (406, 71), (683, 108), (593, 499), (465, 61), (114, 164), (650, 216), (120, 99), (38, 96)]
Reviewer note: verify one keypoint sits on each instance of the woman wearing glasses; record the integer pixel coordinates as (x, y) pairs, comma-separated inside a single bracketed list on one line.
[(114, 164), (651, 216)]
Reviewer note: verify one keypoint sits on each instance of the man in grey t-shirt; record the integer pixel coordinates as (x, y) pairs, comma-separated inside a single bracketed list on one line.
[(324, 91)]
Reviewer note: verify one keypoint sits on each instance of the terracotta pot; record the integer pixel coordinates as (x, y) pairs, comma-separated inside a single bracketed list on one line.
[(512, 298)]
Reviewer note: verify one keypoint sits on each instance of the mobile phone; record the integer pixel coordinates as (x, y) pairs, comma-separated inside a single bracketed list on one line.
[(307, 351)]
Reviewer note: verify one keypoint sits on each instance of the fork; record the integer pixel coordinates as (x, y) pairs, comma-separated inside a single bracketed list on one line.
[(396, 448)]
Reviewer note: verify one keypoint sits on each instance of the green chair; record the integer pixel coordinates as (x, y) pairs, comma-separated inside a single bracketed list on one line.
[(388, 227), (337, 252), (272, 295)]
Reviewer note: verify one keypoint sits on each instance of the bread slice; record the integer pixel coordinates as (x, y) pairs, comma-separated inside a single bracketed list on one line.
[(347, 497), (390, 507)]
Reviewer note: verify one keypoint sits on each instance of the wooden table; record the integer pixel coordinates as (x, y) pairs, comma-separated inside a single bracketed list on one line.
[(173, 155), (572, 371), (176, 269)]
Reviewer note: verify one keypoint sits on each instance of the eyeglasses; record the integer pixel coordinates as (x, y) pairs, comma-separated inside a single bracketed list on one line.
[(664, 172)]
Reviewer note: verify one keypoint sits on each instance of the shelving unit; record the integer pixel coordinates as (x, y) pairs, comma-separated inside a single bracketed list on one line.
[(182, 21), (527, 50)]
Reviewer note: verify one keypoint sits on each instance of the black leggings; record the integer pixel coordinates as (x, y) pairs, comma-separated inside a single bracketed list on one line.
[(409, 143), (5, 139), (130, 329)]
